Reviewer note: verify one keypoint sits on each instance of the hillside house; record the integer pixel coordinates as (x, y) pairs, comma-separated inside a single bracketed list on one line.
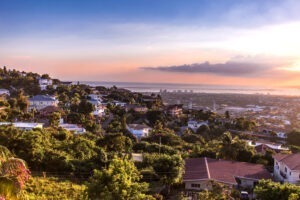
[(26, 126), (44, 83), (287, 168), (39, 102), (195, 125), (199, 172), (139, 130), (174, 110)]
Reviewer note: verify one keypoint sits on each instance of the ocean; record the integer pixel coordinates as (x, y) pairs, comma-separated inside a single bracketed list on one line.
[(196, 88)]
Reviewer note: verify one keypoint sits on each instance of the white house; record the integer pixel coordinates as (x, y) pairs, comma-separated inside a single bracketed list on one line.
[(287, 168), (194, 125), (72, 127), (138, 130), (281, 134), (44, 83), (4, 92), (262, 146), (95, 97), (23, 125), (41, 101), (99, 108), (119, 103)]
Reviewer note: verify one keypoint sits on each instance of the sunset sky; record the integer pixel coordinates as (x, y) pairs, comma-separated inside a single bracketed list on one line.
[(228, 42)]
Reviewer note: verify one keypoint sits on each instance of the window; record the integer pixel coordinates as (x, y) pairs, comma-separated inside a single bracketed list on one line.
[(285, 169), (196, 185), (290, 173)]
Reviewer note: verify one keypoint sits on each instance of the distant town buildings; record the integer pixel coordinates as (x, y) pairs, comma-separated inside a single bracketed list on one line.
[(39, 102), (287, 168)]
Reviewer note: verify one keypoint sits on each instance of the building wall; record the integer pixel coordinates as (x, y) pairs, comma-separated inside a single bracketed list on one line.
[(139, 133), (291, 176), (247, 183), (198, 185), (41, 104)]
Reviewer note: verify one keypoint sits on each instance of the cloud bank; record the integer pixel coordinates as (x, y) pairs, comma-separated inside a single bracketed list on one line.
[(230, 68)]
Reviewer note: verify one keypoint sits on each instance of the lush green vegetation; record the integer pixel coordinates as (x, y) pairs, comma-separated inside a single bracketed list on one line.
[(97, 164), (39, 188), (268, 190)]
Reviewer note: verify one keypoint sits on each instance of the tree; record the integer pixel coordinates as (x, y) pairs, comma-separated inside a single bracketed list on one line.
[(119, 181), (227, 114), (293, 138), (13, 175), (268, 190), (85, 107), (54, 119), (168, 168)]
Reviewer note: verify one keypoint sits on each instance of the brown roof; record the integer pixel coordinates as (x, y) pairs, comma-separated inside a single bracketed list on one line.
[(51, 109), (195, 168), (291, 160), (223, 170)]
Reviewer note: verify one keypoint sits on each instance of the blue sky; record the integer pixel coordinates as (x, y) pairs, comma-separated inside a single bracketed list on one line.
[(116, 40)]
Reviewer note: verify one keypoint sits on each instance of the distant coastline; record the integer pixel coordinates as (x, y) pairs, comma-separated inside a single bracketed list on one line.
[(196, 88)]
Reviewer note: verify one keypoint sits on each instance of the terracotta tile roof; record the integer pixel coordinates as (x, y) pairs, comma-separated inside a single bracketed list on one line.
[(195, 168), (223, 170), (290, 160)]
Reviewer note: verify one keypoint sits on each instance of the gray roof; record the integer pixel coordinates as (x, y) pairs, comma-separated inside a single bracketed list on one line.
[(42, 98), (137, 126)]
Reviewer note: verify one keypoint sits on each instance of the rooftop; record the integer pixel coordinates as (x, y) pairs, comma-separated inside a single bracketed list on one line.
[(42, 98), (137, 126), (223, 170), (291, 160)]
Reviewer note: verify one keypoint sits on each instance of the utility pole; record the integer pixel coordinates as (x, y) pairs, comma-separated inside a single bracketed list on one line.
[(159, 144)]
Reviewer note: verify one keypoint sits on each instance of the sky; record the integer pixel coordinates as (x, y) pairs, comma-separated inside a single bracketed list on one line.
[(221, 42)]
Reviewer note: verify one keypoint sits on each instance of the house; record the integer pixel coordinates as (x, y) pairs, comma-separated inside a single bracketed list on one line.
[(195, 125), (23, 125), (39, 102), (119, 103), (44, 83), (99, 108), (174, 110), (138, 130), (287, 168), (4, 92), (200, 172), (95, 97), (136, 108), (281, 134), (263, 146), (73, 128)]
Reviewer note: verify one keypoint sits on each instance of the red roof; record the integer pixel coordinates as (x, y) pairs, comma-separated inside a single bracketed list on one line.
[(290, 160), (223, 170)]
